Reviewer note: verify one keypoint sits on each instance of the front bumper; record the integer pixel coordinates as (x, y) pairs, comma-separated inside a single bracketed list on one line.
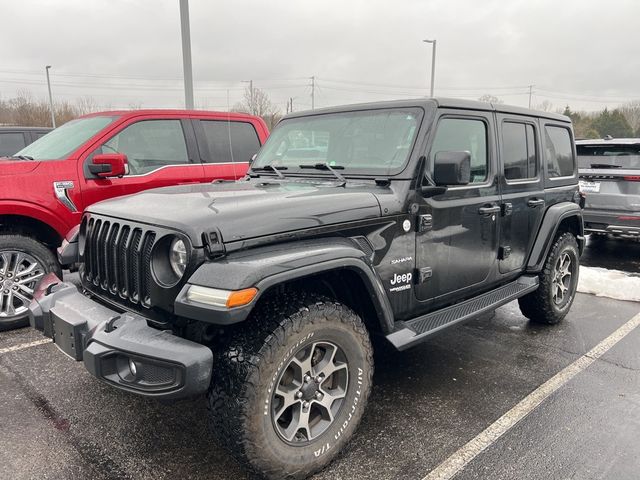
[(119, 348)]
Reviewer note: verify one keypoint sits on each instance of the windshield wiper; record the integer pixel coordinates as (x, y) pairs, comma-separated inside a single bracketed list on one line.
[(604, 165), (271, 168), (21, 157), (326, 166)]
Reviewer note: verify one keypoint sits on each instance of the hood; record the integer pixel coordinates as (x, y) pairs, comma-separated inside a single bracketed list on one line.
[(244, 210), (12, 166)]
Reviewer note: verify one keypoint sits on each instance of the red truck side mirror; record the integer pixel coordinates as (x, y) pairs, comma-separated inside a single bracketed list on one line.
[(107, 165)]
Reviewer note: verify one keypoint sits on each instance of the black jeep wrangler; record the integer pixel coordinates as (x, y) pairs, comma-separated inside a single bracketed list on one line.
[(395, 219)]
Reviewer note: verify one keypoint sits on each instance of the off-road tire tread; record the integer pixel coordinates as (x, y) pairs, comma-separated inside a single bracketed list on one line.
[(537, 306), (40, 252), (237, 361)]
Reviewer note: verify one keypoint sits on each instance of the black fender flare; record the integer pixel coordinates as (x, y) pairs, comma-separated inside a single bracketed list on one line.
[(269, 266), (547, 232)]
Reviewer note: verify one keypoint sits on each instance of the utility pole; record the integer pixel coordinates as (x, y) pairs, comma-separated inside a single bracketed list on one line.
[(530, 93), (433, 64), (313, 93), (53, 117), (186, 54), (291, 104)]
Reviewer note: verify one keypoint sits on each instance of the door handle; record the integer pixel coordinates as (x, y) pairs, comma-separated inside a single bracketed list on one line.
[(489, 210), (535, 202)]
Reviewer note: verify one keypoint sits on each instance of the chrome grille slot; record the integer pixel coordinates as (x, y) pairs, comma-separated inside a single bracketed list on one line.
[(117, 260)]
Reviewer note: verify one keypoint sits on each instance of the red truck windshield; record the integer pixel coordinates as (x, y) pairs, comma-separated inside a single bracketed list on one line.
[(60, 142)]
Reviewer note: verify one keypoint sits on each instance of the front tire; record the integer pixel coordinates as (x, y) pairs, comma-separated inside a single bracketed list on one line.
[(23, 262), (290, 385), (551, 302)]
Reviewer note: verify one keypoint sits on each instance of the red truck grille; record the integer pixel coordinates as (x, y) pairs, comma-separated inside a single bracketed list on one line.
[(117, 259)]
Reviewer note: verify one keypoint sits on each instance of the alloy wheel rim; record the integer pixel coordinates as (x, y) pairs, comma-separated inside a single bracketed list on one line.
[(19, 274), (310, 392), (562, 275)]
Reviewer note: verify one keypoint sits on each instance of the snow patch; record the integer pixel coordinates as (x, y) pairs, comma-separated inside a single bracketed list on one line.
[(609, 283)]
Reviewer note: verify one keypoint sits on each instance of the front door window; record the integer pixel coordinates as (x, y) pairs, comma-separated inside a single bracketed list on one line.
[(150, 145)]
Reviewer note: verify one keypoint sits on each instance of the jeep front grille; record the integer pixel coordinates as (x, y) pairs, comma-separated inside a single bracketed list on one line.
[(117, 259)]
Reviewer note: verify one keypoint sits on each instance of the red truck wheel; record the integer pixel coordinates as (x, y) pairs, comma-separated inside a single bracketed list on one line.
[(23, 262)]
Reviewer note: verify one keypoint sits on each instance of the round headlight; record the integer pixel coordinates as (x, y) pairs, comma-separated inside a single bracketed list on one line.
[(178, 257)]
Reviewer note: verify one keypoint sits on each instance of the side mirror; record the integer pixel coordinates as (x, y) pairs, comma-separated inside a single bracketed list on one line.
[(452, 168), (107, 165)]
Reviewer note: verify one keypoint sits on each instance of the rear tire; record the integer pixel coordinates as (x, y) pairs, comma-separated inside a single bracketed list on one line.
[(551, 302), (260, 387), (23, 262)]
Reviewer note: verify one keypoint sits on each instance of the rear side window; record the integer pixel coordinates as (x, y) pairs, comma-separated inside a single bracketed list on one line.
[(11, 143), (559, 154), (519, 151), (229, 141), (464, 135)]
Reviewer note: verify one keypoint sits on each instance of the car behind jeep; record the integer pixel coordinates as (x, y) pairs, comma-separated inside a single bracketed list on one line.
[(46, 185), (396, 220), (610, 179)]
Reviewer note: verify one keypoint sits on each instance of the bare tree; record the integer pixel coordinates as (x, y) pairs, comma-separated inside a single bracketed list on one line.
[(631, 112), (86, 105), (487, 98), (257, 102), (545, 106), (26, 110)]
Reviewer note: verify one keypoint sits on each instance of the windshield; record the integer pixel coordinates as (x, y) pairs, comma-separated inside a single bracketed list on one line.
[(609, 156), (60, 142), (366, 142)]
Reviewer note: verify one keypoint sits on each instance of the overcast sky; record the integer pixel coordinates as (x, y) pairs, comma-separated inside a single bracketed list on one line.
[(583, 53)]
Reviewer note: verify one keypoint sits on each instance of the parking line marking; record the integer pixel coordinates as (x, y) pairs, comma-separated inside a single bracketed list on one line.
[(22, 346), (460, 459)]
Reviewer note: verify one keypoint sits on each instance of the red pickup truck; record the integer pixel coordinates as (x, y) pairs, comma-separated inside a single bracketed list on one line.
[(46, 185)]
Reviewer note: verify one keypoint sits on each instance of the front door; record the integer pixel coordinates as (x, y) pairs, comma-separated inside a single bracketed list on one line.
[(157, 153), (457, 241), (522, 187)]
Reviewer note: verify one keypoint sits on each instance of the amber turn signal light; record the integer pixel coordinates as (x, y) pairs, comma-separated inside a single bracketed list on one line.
[(241, 297)]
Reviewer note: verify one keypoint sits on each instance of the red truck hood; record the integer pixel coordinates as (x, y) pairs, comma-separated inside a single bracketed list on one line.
[(9, 166)]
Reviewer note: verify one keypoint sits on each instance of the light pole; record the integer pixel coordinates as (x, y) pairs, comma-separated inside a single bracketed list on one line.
[(53, 117), (186, 54), (433, 63)]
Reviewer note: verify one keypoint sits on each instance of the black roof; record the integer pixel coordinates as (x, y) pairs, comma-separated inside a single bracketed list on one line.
[(438, 101), (23, 129)]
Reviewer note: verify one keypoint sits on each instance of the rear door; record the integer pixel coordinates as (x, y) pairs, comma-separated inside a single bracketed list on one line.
[(226, 147), (522, 187), (457, 248), (160, 152)]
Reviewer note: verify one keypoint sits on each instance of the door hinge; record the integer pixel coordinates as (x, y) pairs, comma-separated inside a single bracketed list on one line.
[(424, 274), (507, 208), (504, 252), (425, 223)]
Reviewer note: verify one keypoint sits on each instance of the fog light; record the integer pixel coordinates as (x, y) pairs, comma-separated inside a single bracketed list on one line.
[(133, 367)]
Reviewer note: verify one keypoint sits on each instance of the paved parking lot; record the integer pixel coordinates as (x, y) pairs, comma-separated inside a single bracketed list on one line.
[(58, 422)]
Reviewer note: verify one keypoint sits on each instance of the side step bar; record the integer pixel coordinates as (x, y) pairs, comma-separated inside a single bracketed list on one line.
[(415, 330)]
